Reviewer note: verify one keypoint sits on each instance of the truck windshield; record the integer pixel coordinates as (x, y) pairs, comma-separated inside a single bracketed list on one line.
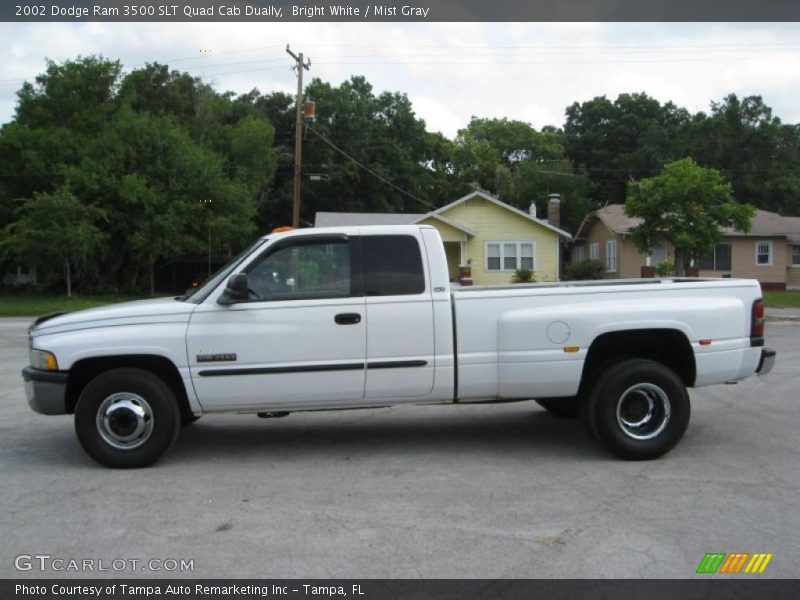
[(200, 293)]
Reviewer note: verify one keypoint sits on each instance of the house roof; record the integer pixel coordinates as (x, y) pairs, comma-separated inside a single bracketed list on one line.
[(451, 222), (351, 219), (764, 223), (344, 219), (501, 204), (767, 223)]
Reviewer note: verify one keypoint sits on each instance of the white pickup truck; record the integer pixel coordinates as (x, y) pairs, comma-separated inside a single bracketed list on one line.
[(365, 317)]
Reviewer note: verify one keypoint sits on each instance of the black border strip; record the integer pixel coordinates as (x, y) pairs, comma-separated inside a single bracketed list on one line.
[(383, 364), (280, 370), (278, 11), (396, 364), (698, 588)]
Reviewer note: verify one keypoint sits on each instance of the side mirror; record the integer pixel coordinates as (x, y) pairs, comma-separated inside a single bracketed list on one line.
[(235, 291)]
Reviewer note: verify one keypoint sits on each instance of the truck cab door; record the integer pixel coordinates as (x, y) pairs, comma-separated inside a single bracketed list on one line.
[(399, 306), (298, 341)]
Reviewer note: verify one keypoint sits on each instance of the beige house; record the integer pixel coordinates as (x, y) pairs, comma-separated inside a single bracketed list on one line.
[(479, 230), (770, 252)]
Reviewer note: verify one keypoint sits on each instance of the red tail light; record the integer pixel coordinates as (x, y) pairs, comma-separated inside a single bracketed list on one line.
[(757, 327)]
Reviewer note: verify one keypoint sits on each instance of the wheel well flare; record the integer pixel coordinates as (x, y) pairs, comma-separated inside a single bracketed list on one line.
[(83, 371), (669, 347)]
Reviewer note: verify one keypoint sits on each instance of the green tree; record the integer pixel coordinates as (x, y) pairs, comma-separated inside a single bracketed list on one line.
[(629, 138), (520, 165), (380, 131), (79, 95), (156, 90), (143, 149), (758, 154), (490, 152), (687, 205), (150, 176), (54, 229)]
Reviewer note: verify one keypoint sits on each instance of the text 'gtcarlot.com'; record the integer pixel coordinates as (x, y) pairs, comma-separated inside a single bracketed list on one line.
[(47, 562)]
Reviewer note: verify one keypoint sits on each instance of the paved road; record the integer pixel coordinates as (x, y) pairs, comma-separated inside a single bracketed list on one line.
[(481, 491)]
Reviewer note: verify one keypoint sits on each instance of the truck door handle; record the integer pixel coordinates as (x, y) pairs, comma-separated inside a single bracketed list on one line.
[(348, 318)]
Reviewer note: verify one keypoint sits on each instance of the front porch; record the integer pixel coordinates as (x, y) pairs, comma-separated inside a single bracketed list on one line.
[(456, 256)]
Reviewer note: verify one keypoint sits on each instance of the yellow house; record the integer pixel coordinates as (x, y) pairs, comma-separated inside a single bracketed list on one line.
[(494, 238)]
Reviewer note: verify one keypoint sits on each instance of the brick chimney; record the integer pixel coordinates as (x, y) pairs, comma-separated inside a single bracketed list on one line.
[(554, 210)]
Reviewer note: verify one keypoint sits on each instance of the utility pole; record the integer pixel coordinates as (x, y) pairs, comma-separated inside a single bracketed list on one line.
[(298, 133)]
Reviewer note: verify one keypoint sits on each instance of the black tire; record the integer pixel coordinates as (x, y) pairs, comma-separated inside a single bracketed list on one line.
[(137, 405), (565, 407), (588, 384), (639, 409)]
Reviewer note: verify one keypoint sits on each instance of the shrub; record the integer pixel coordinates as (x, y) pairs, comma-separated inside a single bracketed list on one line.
[(523, 276), (584, 270), (665, 269)]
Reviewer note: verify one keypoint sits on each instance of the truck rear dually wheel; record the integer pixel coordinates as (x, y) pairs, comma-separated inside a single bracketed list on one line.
[(639, 409), (126, 418)]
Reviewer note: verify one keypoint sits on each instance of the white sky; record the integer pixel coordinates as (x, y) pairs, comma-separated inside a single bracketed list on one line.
[(450, 71)]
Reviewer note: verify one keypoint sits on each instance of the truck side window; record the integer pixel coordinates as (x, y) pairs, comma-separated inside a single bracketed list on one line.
[(305, 271), (392, 265)]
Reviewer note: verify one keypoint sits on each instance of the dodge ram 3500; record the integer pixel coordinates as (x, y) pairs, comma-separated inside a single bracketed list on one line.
[(362, 317)]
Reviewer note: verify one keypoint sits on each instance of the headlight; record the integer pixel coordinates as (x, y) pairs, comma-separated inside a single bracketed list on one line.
[(42, 359)]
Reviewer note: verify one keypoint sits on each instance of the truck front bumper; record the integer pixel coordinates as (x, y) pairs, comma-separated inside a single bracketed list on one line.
[(767, 361), (46, 390)]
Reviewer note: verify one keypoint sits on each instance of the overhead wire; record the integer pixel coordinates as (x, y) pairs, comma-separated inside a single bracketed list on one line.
[(500, 51), (367, 169)]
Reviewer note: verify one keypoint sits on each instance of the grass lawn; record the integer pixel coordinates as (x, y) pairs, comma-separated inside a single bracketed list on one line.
[(782, 299), (33, 305)]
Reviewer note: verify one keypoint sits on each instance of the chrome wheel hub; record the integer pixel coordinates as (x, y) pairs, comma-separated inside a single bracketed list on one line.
[(125, 420), (643, 411)]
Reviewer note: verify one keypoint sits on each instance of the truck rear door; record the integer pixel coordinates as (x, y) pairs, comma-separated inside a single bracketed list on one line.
[(400, 325)]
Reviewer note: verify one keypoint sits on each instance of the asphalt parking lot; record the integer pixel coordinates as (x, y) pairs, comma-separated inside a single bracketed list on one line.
[(502, 491)]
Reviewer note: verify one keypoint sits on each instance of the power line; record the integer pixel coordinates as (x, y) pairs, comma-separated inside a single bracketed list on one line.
[(244, 51), (494, 50), (367, 169), (551, 62), (567, 46)]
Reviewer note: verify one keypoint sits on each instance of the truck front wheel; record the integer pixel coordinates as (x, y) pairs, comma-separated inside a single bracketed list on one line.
[(126, 418), (638, 408)]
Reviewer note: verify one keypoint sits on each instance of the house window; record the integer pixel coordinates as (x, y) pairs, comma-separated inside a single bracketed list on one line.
[(611, 256), (763, 254), (658, 254), (577, 254), (492, 257), (717, 260), (594, 251), (526, 256), (510, 256), (796, 256)]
